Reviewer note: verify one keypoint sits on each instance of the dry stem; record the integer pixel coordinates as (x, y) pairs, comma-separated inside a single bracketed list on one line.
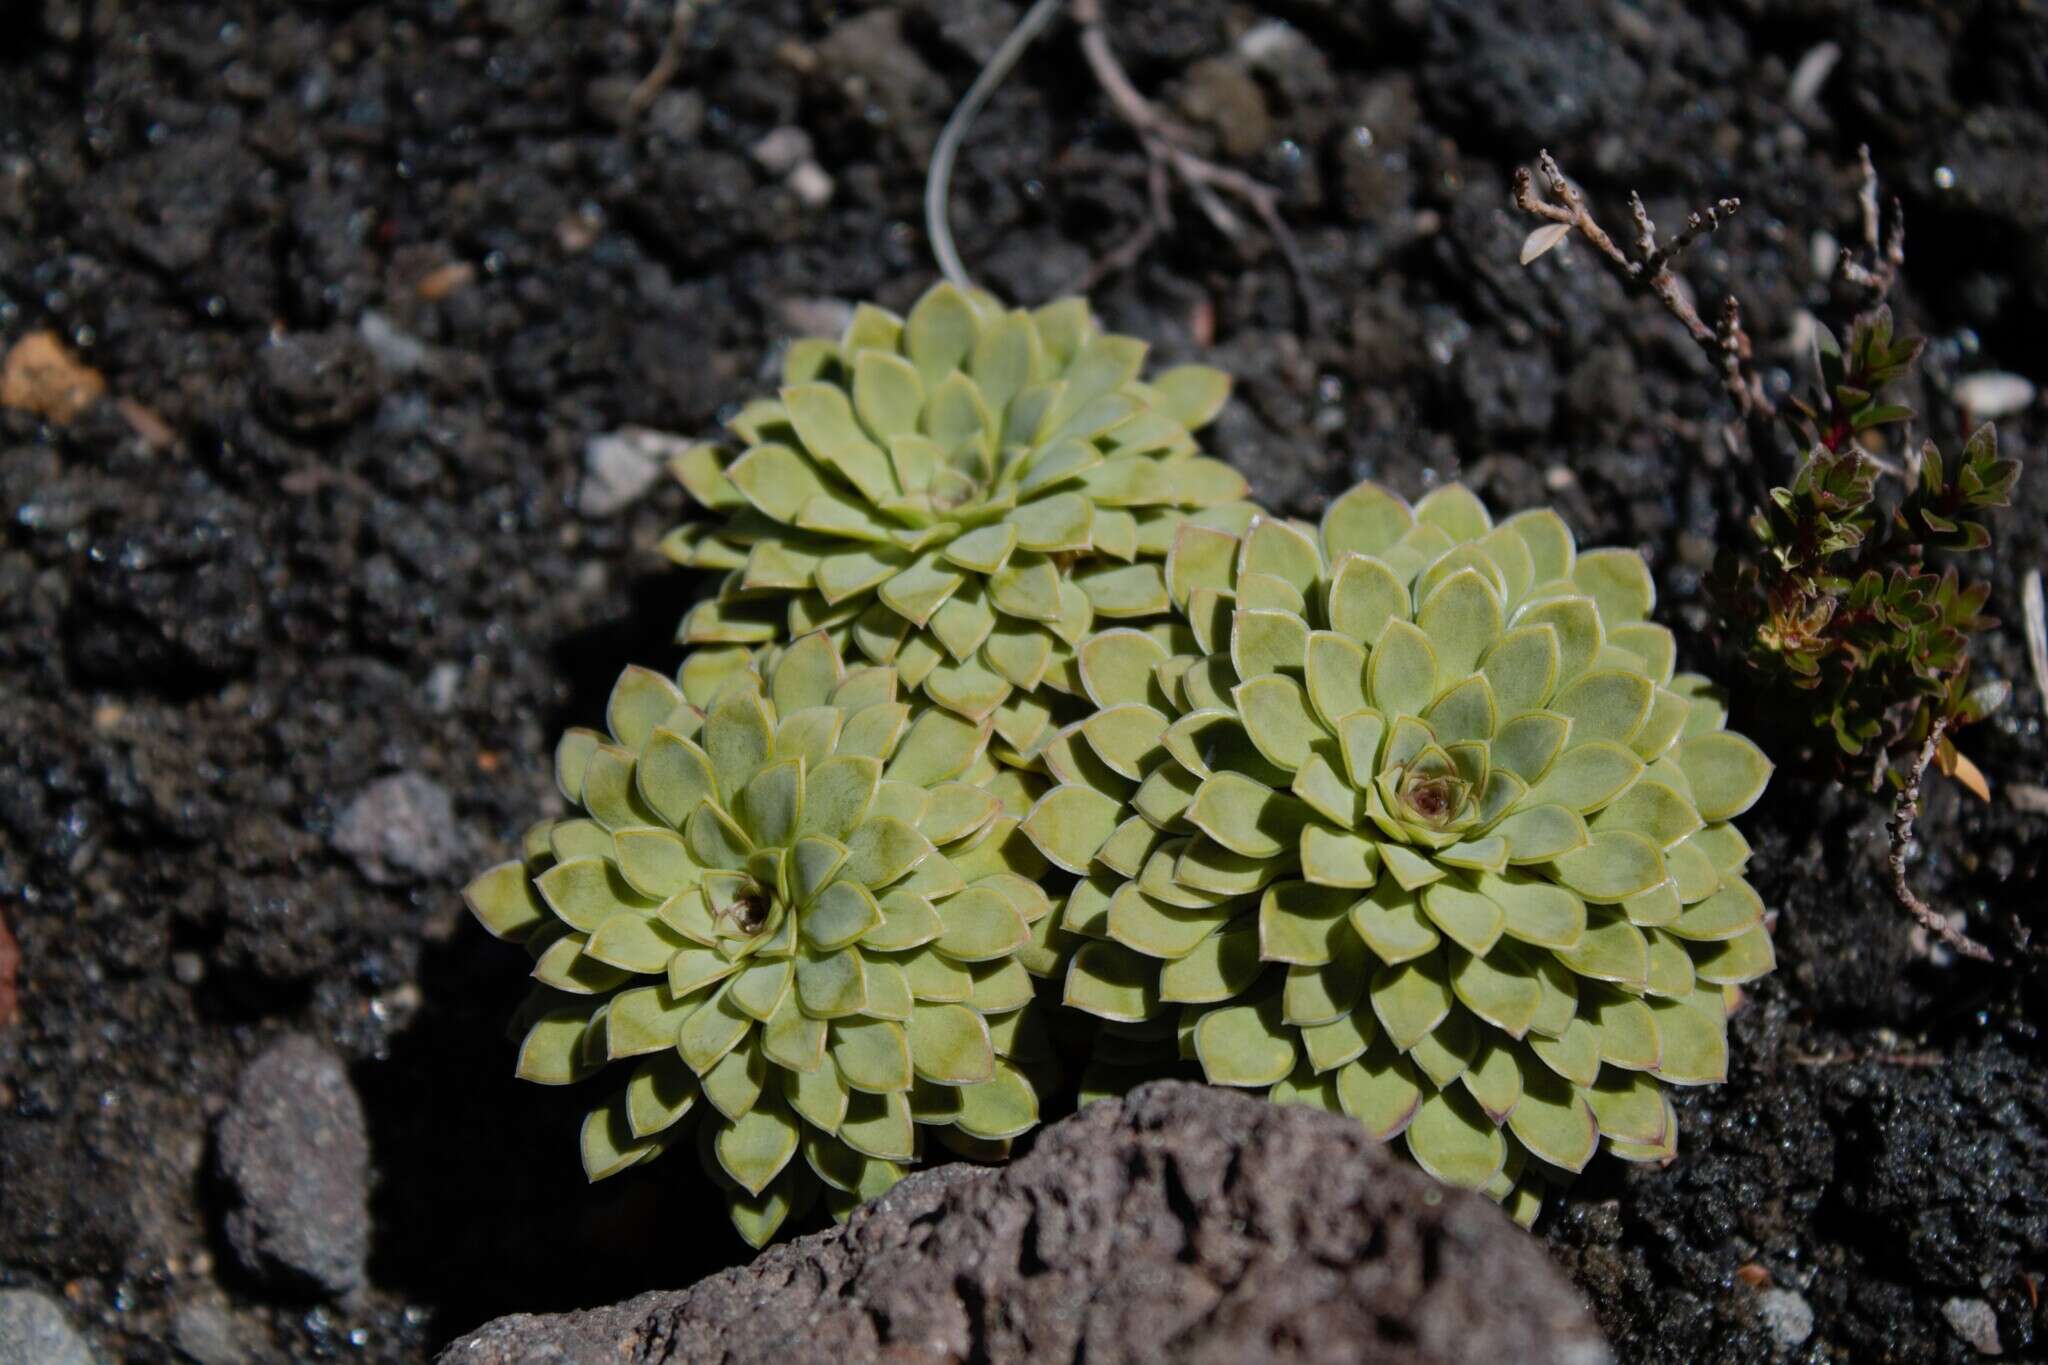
[(1904, 812), (1166, 147), (10, 963), (666, 64), (1725, 345), (1856, 1057), (2035, 612), (1886, 249)]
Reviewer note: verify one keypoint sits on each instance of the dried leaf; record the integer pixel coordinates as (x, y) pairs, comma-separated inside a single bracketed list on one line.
[(1542, 238)]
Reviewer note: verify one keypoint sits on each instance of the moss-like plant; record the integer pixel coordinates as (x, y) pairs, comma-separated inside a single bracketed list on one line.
[(793, 900), (1426, 830), (962, 493)]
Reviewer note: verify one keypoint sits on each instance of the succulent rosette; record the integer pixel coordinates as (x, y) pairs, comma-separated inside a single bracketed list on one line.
[(791, 900), (1426, 830), (963, 494)]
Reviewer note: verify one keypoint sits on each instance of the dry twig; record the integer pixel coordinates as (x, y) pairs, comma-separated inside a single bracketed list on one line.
[(666, 64), (1904, 812), (1885, 250), (1132, 249), (1726, 345), (1166, 147), (10, 964), (2035, 612), (1859, 1056)]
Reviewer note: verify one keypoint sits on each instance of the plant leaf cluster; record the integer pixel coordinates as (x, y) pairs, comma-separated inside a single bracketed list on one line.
[(788, 906), (1426, 829), (1841, 612), (960, 493), (1009, 711)]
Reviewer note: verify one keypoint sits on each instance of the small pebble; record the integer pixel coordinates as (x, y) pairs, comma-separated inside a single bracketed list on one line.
[(1788, 1315), (1974, 1321), (34, 1330), (400, 828), (782, 151), (396, 351), (1272, 43), (444, 684), (43, 377), (812, 186), (205, 1333), (620, 466)]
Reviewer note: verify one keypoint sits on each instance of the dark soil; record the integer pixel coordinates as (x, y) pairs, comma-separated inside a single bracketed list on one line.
[(365, 551)]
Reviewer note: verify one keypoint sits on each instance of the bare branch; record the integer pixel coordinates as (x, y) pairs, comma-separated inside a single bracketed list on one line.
[(1726, 346), (1646, 231), (1166, 147), (1866, 196), (1738, 368), (1885, 248), (1570, 207), (1697, 225), (1905, 811)]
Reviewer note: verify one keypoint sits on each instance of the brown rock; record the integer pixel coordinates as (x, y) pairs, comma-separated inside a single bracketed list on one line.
[(43, 378), (1178, 1224)]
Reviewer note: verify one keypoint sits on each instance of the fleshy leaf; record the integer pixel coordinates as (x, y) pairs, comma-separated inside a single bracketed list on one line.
[(1453, 1140), (1727, 773), (1247, 1045), (1402, 671)]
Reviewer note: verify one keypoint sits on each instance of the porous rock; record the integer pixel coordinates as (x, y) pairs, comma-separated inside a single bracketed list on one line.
[(295, 1152), (34, 1328), (1180, 1223)]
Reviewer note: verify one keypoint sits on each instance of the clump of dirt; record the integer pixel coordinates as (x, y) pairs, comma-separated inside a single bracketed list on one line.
[(366, 282)]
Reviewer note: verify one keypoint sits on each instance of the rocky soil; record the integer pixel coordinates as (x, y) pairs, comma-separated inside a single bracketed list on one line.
[(383, 312)]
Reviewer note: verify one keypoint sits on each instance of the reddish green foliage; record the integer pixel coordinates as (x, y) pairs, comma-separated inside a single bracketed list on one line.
[(1840, 608)]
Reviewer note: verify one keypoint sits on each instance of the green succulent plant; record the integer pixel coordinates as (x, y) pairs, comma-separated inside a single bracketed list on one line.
[(793, 900), (960, 493), (1426, 830)]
